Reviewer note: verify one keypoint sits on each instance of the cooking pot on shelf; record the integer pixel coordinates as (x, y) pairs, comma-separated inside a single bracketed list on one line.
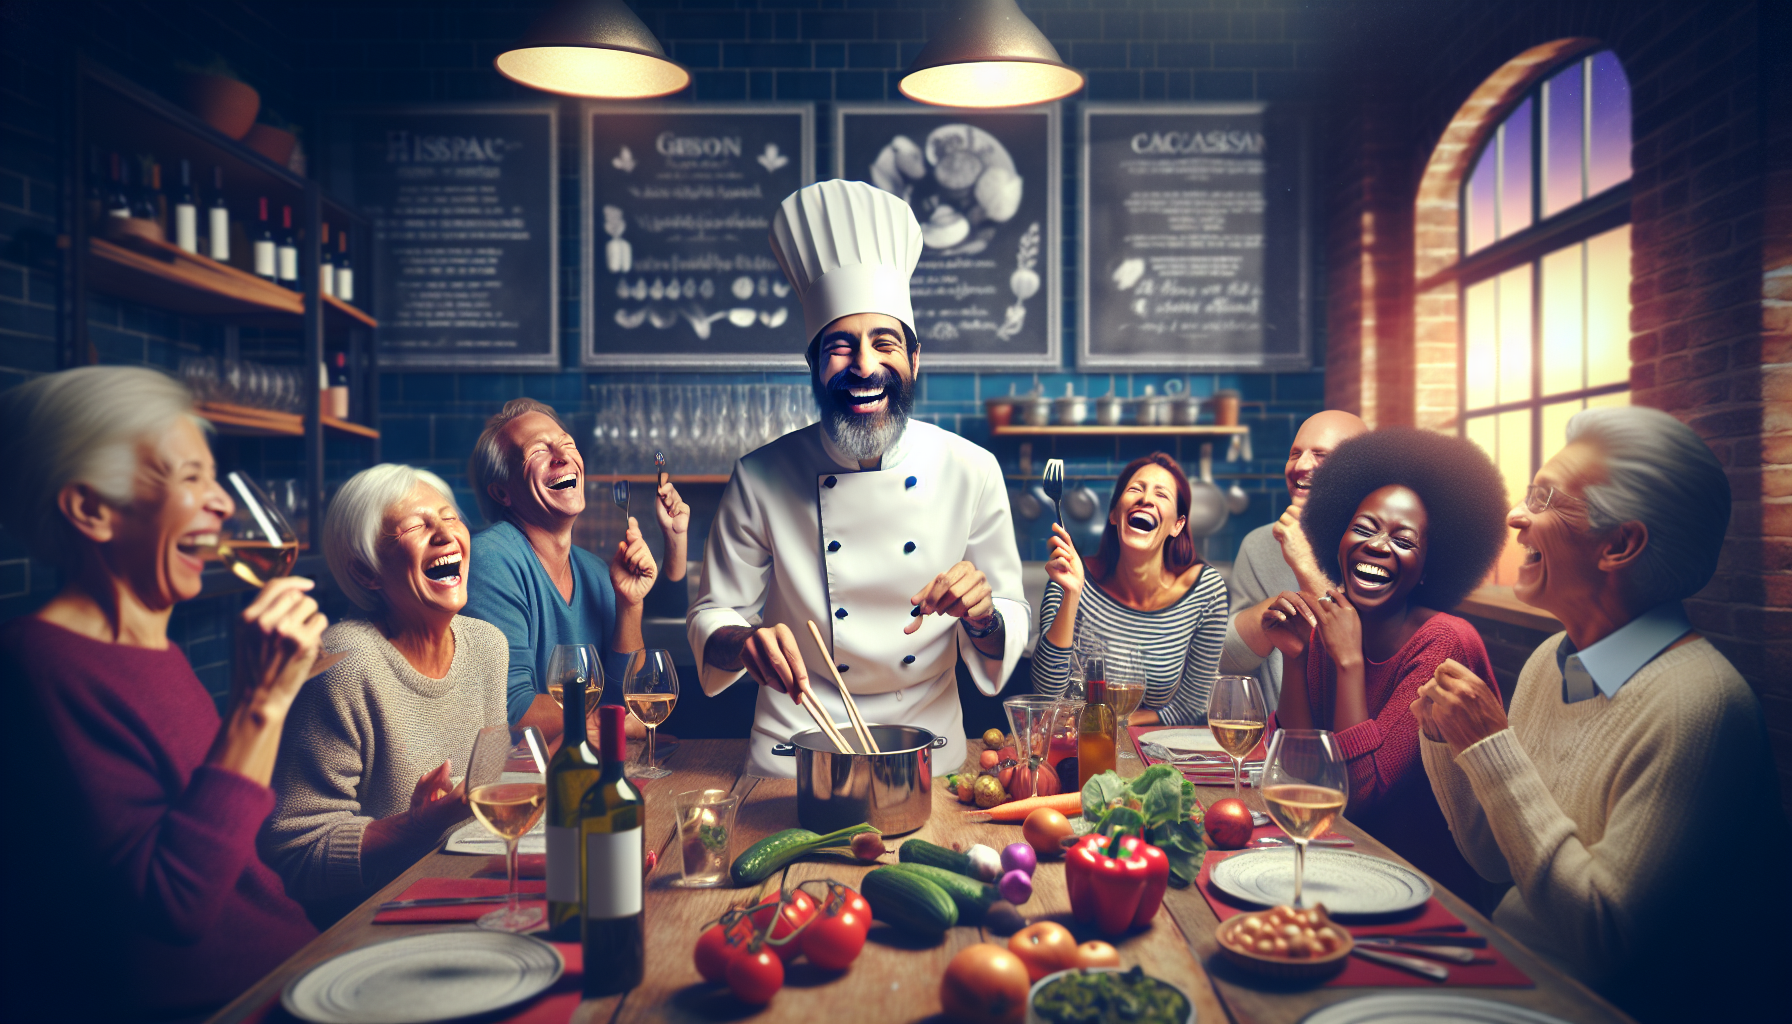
[(1207, 510), (892, 790)]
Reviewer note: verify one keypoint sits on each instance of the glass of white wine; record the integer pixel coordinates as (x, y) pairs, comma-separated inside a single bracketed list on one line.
[(1236, 715), (256, 542), (651, 691), (575, 665), (1305, 783), (1126, 691), (507, 788)]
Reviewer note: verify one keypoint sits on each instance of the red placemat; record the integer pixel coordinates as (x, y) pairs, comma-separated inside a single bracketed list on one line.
[(1214, 775), (555, 1006), (436, 888), (1491, 969)]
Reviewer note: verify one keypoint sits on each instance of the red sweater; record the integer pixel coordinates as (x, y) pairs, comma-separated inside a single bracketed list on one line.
[(147, 898), (1390, 795)]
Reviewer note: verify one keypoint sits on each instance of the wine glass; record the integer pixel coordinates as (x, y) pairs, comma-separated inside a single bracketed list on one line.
[(575, 665), (1030, 718), (651, 690), (507, 788), (1305, 783), (1236, 715), (1126, 691), (256, 542)]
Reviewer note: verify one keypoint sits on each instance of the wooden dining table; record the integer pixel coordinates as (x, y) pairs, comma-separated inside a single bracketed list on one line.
[(896, 977)]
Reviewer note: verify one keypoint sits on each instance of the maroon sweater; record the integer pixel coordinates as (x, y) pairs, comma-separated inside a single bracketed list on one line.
[(147, 898), (1390, 795)]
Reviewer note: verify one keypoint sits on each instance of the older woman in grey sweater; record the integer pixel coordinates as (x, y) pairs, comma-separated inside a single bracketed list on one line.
[(364, 783)]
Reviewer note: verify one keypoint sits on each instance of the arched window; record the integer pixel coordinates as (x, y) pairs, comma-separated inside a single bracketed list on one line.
[(1544, 270)]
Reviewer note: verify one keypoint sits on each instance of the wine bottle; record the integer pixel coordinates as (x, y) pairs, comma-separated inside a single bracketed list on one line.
[(611, 816), (287, 251), (186, 211), (218, 219), (143, 201), (118, 196), (264, 245), (326, 266), (1097, 732), (573, 770), (345, 274)]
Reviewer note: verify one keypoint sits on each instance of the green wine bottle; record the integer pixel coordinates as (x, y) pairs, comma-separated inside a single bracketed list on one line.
[(574, 769), (611, 820)]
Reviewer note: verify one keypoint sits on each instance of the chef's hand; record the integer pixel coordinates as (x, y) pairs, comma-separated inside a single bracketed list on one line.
[(632, 571), (675, 524), (772, 657), (961, 591)]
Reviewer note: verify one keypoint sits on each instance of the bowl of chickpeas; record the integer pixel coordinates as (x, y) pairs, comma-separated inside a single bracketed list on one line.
[(1284, 942)]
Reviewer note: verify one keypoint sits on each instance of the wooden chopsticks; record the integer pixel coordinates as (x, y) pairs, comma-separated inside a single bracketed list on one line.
[(823, 720), (852, 710)]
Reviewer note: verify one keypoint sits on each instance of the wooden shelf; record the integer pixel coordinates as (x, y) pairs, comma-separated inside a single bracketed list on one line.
[(338, 313), (1207, 430), (168, 277), (244, 421)]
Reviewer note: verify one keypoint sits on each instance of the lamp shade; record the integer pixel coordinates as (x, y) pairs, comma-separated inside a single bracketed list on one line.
[(595, 48), (989, 54)]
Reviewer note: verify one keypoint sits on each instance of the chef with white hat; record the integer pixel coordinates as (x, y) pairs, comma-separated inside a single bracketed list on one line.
[(890, 534)]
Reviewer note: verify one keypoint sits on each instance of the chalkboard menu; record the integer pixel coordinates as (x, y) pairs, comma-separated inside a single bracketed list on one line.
[(1194, 238), (985, 186), (464, 201), (678, 208)]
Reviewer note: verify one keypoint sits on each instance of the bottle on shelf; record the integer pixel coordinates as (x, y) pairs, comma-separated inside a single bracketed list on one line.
[(326, 266), (186, 211), (287, 251), (118, 196), (335, 385), (345, 274), (574, 769), (611, 815), (264, 245), (218, 220), (143, 197), (1098, 731)]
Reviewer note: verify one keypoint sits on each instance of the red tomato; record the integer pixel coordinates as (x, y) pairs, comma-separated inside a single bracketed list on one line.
[(833, 943), (856, 904), (756, 977), (797, 911), (716, 948)]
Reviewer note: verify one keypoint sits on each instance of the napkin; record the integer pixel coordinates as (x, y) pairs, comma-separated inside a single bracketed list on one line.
[(1491, 969), (434, 888)]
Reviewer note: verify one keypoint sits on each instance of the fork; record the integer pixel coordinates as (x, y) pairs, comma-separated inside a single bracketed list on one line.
[(1054, 485)]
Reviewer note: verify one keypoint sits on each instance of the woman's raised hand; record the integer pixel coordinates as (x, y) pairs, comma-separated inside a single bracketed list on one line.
[(1339, 625), (1289, 622), (282, 629), (1065, 566), (632, 570)]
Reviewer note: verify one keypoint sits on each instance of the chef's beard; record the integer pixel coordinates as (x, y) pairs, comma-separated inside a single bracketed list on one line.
[(864, 436)]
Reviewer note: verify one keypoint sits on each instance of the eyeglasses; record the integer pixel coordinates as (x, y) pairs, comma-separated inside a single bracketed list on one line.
[(1539, 499)]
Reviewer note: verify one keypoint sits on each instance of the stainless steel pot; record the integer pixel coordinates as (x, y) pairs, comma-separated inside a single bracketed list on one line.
[(892, 790)]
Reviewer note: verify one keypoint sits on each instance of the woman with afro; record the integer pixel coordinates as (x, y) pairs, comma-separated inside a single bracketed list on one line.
[(1410, 521)]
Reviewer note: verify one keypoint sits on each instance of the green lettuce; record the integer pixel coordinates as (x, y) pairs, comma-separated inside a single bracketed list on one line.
[(1158, 804)]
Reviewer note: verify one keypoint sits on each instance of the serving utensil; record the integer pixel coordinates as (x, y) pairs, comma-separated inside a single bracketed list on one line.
[(619, 495), (852, 709), (1054, 485), (1424, 968)]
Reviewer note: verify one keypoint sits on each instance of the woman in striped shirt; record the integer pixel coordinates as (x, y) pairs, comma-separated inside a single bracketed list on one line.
[(1150, 593)]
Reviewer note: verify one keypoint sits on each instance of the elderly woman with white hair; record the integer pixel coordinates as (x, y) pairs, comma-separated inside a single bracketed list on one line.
[(1632, 747), (365, 776), (143, 803)]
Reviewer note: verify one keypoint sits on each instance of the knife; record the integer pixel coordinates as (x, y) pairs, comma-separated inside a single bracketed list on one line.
[(1436, 972), (1270, 842), (1455, 953), (457, 901)]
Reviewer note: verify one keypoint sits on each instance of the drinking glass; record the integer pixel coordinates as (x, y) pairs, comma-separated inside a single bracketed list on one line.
[(1126, 691), (575, 665), (507, 789), (1030, 718), (651, 691), (705, 828), (1061, 739), (1236, 715), (1305, 784), (256, 542)]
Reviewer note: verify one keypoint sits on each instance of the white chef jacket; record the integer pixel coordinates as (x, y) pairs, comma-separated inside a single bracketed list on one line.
[(803, 534)]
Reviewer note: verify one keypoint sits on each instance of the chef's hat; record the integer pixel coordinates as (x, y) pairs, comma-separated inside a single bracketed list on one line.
[(847, 247)]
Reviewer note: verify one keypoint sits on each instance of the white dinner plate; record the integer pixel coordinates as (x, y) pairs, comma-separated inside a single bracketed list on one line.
[(1345, 881), (431, 977), (1184, 739), (1425, 1008)]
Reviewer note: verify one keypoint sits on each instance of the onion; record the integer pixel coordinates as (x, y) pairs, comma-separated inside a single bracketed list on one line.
[(1019, 857), (1016, 887)]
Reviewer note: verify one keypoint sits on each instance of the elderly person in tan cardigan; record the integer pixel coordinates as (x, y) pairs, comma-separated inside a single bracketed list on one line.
[(1629, 796)]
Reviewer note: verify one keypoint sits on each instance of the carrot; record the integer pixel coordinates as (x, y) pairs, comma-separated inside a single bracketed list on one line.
[(1067, 804)]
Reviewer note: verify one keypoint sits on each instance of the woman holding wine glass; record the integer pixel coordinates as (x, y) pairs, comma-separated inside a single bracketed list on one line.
[(1411, 521), (366, 781), (148, 800), (1151, 598)]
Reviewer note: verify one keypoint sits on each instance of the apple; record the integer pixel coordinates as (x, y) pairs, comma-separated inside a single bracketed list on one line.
[(1228, 824)]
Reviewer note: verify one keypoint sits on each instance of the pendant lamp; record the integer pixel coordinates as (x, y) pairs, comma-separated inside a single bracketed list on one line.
[(595, 48), (988, 54)]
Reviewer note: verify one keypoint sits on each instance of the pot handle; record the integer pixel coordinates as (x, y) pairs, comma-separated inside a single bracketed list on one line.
[(783, 750), (939, 743)]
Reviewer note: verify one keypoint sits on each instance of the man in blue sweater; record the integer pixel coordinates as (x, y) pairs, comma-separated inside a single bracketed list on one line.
[(526, 577)]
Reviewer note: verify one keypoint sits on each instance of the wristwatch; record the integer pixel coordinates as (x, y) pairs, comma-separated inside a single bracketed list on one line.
[(994, 623)]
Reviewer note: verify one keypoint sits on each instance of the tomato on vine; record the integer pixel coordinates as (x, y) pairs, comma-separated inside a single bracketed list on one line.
[(719, 944), (792, 913), (755, 976)]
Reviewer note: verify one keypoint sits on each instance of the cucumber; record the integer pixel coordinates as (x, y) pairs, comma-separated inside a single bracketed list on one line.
[(971, 896), (908, 901), (920, 851), (761, 860)]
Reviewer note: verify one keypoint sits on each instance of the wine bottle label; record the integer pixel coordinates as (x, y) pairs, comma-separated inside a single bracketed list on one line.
[(327, 279), (220, 235), (289, 263), (613, 870), (345, 284), (563, 864), (186, 227), (264, 259)]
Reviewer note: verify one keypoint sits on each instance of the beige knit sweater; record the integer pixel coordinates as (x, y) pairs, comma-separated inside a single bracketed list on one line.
[(357, 740), (1622, 823)]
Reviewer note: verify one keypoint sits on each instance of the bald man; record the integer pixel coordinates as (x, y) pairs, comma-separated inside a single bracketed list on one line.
[(1275, 557)]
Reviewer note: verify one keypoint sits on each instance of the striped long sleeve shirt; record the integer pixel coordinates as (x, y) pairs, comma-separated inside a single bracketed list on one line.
[(1179, 645)]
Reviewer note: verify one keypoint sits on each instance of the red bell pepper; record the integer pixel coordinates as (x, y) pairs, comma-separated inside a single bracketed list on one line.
[(1111, 881)]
